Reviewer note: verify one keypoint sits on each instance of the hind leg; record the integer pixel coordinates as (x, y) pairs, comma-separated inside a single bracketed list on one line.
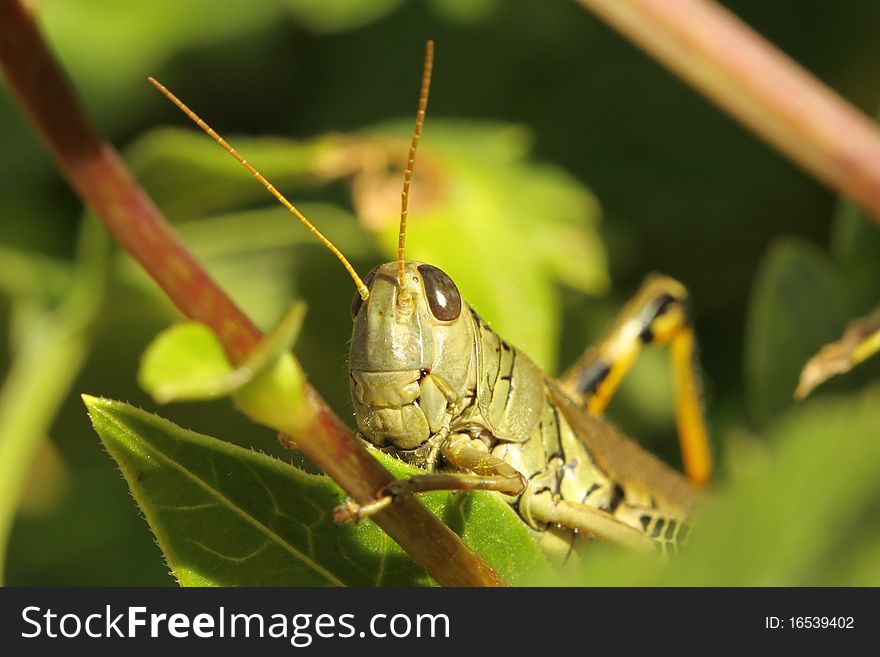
[(656, 316), (544, 507)]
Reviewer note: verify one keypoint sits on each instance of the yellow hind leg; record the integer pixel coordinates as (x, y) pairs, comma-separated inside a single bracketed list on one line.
[(657, 315)]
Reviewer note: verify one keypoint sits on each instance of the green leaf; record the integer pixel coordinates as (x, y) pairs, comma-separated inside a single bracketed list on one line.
[(187, 361), (188, 175), (264, 258), (786, 523), (31, 275), (797, 306), (224, 515), (507, 230), (142, 38), (464, 12), (855, 243), (339, 15), (47, 359), (789, 520)]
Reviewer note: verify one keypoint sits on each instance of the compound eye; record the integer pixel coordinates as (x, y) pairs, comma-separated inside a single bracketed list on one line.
[(443, 297), (357, 302)]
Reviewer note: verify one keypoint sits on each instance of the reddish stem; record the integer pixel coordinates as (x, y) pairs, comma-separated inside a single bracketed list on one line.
[(101, 179), (763, 88)]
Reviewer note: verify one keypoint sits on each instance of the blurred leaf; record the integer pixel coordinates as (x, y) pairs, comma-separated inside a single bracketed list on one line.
[(465, 12), (189, 175), (81, 542), (224, 515), (855, 244), (648, 389), (250, 233), (784, 523), (31, 275), (184, 357), (141, 35), (47, 359), (47, 482), (860, 341), (264, 258), (339, 15), (859, 564), (781, 526), (125, 41), (507, 230), (797, 305), (187, 361)]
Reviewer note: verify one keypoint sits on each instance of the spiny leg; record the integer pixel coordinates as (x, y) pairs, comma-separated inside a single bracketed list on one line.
[(592, 521), (482, 471), (667, 531), (656, 315)]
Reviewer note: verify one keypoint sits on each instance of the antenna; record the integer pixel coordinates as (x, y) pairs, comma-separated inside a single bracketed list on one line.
[(411, 160), (362, 289)]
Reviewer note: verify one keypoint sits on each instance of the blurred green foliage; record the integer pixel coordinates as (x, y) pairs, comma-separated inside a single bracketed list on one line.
[(798, 302), (560, 113)]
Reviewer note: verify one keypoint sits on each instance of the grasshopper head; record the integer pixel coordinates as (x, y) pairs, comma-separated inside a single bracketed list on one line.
[(411, 350)]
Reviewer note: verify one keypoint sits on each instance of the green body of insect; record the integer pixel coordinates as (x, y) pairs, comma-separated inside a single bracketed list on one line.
[(434, 385)]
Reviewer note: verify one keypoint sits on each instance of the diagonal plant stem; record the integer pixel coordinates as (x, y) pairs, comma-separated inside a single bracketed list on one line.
[(99, 176), (752, 80)]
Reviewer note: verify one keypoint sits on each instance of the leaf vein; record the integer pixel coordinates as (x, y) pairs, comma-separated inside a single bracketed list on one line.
[(230, 504)]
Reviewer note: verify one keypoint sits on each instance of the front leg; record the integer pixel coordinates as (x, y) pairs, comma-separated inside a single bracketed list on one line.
[(479, 471)]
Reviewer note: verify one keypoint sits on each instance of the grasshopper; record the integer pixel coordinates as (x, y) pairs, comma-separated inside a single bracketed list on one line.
[(434, 385)]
